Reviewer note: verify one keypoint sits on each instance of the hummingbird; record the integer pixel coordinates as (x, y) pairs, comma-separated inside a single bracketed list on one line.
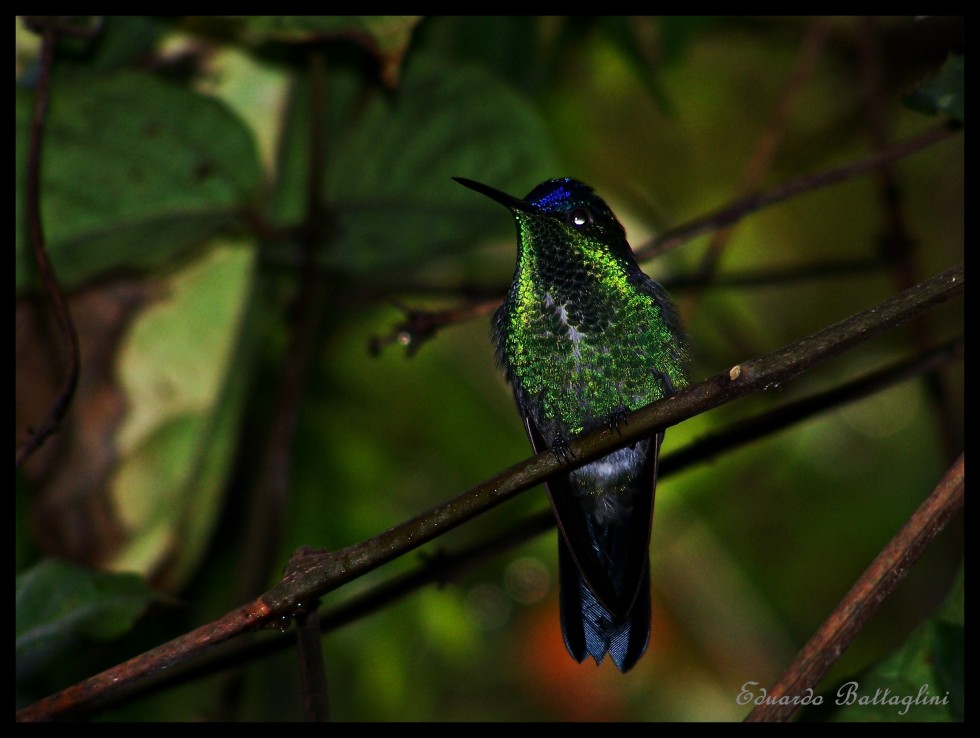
[(584, 337)]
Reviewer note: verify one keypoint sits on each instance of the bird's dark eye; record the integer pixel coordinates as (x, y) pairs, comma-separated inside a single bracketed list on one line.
[(580, 218)]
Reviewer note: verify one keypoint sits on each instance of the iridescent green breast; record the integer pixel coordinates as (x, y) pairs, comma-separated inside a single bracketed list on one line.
[(579, 345)]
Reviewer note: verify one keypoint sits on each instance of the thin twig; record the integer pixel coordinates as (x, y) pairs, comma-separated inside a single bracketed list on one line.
[(66, 326), (674, 237), (482, 301), (775, 276), (118, 679), (445, 566), (314, 575), (896, 242), (313, 675), (439, 568), (422, 324), (768, 142), (269, 492), (744, 432), (859, 605)]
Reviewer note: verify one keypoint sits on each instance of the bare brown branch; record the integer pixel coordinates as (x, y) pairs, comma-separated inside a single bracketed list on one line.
[(69, 337), (115, 680), (421, 325), (314, 574), (737, 210), (860, 604)]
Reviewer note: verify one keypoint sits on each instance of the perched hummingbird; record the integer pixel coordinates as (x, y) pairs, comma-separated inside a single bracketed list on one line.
[(583, 337)]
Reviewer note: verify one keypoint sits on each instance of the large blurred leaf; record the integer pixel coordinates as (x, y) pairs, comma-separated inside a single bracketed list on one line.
[(183, 366), (507, 44), (134, 171), (385, 36), (58, 604), (921, 682), (944, 93), (391, 160), (388, 34), (121, 40)]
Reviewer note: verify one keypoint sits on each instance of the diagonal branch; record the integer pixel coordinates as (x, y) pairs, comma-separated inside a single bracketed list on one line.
[(312, 575), (422, 325), (749, 430), (445, 566), (860, 604), (69, 337), (764, 152), (737, 210)]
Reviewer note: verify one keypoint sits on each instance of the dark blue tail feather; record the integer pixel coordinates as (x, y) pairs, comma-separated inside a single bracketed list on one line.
[(589, 629)]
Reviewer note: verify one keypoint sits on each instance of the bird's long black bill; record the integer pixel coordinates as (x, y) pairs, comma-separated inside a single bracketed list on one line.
[(508, 201)]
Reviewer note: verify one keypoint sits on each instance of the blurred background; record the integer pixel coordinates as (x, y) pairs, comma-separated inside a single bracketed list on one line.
[(249, 383)]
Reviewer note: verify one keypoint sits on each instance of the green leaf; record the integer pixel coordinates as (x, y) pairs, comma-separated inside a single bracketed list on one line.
[(58, 604), (679, 33), (134, 172), (385, 36), (507, 44), (388, 174), (183, 365), (386, 33), (622, 33), (943, 93), (121, 40)]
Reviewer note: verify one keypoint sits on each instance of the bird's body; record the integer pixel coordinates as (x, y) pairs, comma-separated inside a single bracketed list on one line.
[(583, 337)]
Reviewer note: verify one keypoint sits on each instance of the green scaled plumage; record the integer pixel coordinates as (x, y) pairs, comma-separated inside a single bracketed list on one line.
[(583, 337)]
